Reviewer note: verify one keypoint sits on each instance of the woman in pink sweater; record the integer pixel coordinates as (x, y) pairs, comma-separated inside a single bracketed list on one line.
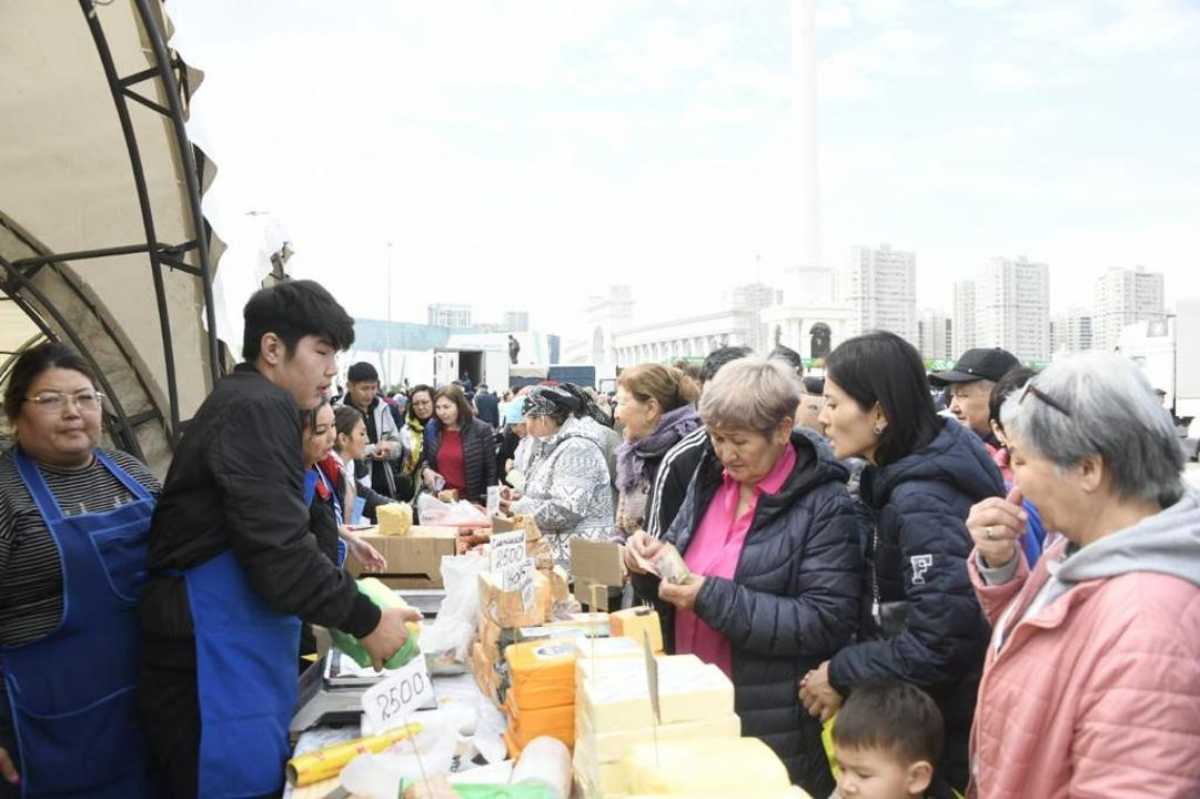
[(1091, 686)]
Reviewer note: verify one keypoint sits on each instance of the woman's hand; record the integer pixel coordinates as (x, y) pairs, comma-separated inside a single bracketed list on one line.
[(639, 553), (996, 526), (507, 497), (429, 477), (7, 770), (384, 449), (818, 696), (364, 553), (682, 596)]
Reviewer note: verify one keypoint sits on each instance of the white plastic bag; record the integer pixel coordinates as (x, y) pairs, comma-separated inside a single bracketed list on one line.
[(435, 513), (453, 629)]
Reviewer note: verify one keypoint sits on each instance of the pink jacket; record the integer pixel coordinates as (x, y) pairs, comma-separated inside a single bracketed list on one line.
[(1098, 694)]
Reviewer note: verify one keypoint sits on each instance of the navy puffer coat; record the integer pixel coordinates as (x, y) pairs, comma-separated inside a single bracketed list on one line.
[(921, 620), (793, 600)]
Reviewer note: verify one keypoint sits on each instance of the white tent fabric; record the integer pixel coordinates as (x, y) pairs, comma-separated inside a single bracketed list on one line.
[(67, 185)]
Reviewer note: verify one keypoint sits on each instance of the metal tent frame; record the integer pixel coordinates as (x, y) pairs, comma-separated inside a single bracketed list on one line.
[(171, 75)]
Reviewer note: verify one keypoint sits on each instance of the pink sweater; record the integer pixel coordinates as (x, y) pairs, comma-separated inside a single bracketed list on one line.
[(1098, 694)]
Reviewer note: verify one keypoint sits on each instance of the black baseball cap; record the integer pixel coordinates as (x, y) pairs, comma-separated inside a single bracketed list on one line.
[(977, 364)]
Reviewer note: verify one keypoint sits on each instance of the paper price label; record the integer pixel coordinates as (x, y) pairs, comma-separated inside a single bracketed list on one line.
[(391, 702), (519, 577), (508, 549)]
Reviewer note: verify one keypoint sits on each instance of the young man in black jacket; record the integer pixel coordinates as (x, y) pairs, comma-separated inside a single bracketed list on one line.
[(234, 566)]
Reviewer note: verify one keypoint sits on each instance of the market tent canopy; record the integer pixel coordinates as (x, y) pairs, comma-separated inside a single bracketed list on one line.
[(102, 243)]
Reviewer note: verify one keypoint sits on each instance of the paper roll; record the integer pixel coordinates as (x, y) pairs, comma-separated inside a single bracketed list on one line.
[(327, 763)]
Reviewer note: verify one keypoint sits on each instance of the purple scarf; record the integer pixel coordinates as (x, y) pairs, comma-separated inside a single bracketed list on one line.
[(632, 455)]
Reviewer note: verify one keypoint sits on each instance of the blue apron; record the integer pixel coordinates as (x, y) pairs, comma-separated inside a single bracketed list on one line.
[(72, 693)]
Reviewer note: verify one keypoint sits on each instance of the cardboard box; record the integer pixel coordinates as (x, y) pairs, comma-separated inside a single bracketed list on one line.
[(596, 563), (507, 609), (506, 524), (414, 560)]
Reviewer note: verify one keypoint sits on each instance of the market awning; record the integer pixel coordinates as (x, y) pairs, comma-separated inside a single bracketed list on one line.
[(102, 244)]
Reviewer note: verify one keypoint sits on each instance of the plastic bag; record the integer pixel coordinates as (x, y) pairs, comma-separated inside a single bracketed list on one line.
[(453, 629), (427, 754), (435, 513)]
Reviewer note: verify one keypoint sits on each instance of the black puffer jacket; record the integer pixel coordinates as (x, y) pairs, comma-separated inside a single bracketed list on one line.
[(793, 600), (479, 455), (921, 621)]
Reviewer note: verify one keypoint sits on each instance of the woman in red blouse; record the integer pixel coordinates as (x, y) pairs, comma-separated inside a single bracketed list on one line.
[(458, 447)]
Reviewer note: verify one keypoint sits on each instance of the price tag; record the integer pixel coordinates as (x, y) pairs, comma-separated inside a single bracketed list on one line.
[(508, 549), (391, 702), (519, 577)]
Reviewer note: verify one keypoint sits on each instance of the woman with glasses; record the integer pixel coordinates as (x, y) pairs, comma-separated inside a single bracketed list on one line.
[(1092, 680), (923, 474), (74, 524)]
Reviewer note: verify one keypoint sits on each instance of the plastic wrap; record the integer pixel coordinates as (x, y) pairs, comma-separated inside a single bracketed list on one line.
[(384, 597), (547, 761)]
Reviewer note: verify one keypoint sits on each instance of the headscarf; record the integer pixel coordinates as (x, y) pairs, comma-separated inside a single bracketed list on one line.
[(549, 400)]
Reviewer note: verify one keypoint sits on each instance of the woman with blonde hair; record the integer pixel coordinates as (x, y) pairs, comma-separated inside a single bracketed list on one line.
[(655, 406)]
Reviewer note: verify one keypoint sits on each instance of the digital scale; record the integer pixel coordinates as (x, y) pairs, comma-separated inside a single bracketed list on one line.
[(331, 689)]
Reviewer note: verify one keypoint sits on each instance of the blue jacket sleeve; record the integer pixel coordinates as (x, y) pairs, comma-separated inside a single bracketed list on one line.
[(941, 639), (820, 613)]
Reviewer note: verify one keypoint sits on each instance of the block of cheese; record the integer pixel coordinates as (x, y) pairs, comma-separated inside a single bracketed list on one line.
[(395, 518), (610, 747), (636, 623), (507, 608), (542, 673), (560, 584), (525, 725), (489, 636), (608, 648), (449, 496), (597, 779), (591, 623), (705, 766), (616, 695)]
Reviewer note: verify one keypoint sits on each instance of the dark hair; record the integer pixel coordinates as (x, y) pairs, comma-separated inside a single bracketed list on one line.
[(308, 416), (292, 310), (409, 413), (718, 358), (880, 367), (346, 418), (1012, 380), (788, 356), (34, 361), (362, 372), (814, 385), (894, 716), (454, 393)]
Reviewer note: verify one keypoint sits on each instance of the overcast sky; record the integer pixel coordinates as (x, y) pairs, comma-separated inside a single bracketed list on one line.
[(524, 153)]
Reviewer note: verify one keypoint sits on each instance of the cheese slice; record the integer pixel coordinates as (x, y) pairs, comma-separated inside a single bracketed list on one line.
[(611, 747), (597, 779), (637, 623), (705, 766), (395, 518), (542, 673)]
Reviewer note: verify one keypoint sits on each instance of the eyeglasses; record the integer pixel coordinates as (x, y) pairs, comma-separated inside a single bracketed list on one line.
[(1030, 388), (55, 401)]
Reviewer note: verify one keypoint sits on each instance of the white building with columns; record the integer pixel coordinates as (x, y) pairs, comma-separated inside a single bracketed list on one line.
[(689, 337)]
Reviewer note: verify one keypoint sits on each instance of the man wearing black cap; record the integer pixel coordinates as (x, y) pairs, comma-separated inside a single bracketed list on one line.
[(971, 382), (363, 393)]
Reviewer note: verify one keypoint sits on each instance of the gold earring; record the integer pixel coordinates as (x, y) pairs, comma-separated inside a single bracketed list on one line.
[(879, 430)]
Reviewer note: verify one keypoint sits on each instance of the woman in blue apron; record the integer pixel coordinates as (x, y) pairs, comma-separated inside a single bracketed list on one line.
[(74, 521)]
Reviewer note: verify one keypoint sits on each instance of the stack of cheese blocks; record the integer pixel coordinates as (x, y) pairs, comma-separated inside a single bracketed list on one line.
[(614, 714), (395, 518), (541, 698)]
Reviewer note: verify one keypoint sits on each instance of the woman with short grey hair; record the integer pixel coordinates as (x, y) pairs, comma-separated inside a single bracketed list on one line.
[(770, 539), (1092, 681)]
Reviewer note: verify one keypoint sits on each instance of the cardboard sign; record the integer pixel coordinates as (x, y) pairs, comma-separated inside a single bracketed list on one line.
[(508, 549), (392, 701), (595, 563)]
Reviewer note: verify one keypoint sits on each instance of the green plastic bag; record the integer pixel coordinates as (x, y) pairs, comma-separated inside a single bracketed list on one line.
[(385, 598)]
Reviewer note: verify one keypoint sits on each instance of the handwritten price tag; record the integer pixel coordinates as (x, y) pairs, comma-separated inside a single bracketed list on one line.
[(391, 702), (508, 549), (519, 577)]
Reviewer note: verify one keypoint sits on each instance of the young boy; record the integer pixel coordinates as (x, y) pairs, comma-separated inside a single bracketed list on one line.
[(887, 739)]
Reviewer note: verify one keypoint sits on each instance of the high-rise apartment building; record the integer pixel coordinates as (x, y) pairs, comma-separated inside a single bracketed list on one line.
[(1072, 331), (935, 336), (515, 322), (455, 317), (880, 286), (1012, 308), (751, 299), (963, 317), (1124, 297)]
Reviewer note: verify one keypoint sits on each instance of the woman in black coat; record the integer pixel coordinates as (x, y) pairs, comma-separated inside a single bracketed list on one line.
[(921, 620), (458, 447), (772, 541)]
